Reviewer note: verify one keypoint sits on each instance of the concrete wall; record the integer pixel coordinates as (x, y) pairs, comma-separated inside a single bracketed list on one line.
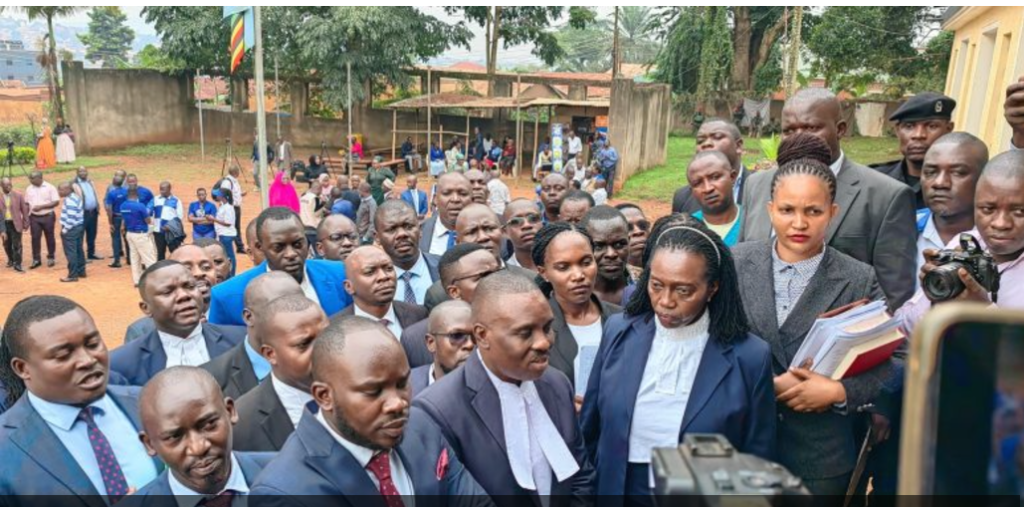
[(639, 122), (115, 108)]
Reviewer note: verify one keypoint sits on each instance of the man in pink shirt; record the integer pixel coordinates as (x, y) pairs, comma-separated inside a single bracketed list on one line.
[(42, 199)]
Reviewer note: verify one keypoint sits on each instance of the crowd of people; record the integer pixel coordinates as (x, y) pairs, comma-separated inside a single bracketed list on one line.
[(438, 345)]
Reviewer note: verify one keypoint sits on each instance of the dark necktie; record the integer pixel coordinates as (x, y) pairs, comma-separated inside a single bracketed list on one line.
[(221, 500), (380, 467), (410, 295), (451, 239), (110, 469)]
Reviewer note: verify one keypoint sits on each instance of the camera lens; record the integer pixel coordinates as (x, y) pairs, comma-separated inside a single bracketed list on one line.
[(943, 283)]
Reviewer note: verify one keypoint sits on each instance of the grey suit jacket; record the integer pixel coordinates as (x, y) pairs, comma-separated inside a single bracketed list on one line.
[(563, 354), (821, 445), (876, 224), (414, 342), (138, 329), (263, 423), (233, 372)]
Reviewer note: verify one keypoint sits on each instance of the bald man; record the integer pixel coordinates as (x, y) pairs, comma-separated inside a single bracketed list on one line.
[(370, 280), (187, 423), (449, 339), (364, 441), (507, 389), (242, 368), (875, 223)]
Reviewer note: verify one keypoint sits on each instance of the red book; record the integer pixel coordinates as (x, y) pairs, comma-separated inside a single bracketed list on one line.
[(866, 356)]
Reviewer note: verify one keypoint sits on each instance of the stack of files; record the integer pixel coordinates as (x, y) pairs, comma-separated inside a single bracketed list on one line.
[(849, 342)]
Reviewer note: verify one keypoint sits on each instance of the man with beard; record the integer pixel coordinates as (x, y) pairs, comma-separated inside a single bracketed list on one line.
[(69, 420), (639, 228), (522, 221), (114, 197), (370, 280), (507, 390), (218, 255), (196, 260), (552, 189), (920, 121), (287, 328), (187, 423), (282, 239), (478, 186), (242, 368), (610, 232), (398, 232), (712, 179), (336, 237), (449, 339), (364, 441), (171, 296), (716, 135), (453, 193)]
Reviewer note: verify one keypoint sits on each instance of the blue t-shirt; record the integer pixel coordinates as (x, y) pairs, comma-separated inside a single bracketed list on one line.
[(207, 209), (134, 214), (145, 196), (115, 198)]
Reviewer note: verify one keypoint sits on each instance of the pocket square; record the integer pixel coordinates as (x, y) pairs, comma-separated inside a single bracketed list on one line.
[(442, 464)]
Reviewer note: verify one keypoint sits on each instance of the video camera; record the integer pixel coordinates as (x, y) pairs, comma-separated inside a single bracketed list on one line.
[(706, 471)]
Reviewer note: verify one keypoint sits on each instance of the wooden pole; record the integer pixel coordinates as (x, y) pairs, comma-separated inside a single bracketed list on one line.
[(616, 58), (394, 134), (199, 102), (536, 139), (277, 98), (519, 126), (430, 88), (348, 117), (261, 118)]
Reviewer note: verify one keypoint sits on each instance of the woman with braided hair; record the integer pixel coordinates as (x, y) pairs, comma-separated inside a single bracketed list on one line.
[(679, 360), (786, 283), (564, 256)]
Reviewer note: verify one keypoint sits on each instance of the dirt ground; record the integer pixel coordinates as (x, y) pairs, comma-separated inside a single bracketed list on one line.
[(107, 293)]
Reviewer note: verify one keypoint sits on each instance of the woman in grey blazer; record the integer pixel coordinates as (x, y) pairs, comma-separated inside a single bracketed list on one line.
[(786, 283), (564, 256)]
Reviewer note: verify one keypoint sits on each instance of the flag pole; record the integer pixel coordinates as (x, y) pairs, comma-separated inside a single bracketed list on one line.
[(261, 119)]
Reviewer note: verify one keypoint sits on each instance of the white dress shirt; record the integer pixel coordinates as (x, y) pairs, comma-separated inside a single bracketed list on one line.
[(187, 497), (588, 340), (838, 164), (363, 455), (439, 242), (393, 325), (420, 280), (306, 286), (188, 351), (534, 445), (575, 145), (665, 387), (294, 400), (430, 376)]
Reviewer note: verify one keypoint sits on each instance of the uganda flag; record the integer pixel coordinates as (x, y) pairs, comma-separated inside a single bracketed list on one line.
[(242, 28)]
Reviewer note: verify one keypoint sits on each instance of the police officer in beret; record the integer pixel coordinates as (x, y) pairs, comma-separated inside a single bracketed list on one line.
[(920, 121)]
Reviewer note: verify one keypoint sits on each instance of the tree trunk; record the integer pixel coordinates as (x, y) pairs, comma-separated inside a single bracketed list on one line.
[(741, 49), (771, 35), (492, 59), (58, 102)]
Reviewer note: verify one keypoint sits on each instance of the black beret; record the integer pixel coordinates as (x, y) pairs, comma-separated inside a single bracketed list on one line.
[(925, 106)]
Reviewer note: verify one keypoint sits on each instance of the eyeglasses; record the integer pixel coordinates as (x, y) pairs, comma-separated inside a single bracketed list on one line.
[(457, 339), (517, 222), (641, 225), (478, 276)]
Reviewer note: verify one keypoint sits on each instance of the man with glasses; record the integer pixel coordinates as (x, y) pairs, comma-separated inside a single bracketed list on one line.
[(522, 221), (336, 237), (639, 228), (449, 339)]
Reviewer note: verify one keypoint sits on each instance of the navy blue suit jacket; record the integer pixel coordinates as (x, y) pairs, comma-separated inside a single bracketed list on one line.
[(407, 197), (733, 394), (327, 277), (35, 462), (466, 406), (159, 492), (419, 379), (141, 359), (312, 469)]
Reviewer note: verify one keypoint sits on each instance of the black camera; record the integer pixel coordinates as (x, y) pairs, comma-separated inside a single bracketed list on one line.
[(706, 471), (943, 283)]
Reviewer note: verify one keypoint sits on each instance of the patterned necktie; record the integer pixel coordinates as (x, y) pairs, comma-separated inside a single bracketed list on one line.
[(451, 239), (110, 469), (380, 467), (221, 500), (410, 295)]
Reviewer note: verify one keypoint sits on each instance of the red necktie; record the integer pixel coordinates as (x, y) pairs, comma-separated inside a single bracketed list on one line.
[(380, 467), (110, 469), (221, 500)]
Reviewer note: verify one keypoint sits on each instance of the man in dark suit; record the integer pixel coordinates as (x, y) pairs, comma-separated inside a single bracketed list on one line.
[(242, 368), (268, 414), (336, 237), (365, 444), (449, 339), (398, 231), (719, 135), (507, 390), (281, 237), (187, 423), (875, 223), (920, 121), (171, 297), (453, 193), (462, 268), (415, 197), (14, 214), (69, 420), (370, 280)]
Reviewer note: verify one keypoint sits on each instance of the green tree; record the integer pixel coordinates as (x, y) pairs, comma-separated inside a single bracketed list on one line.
[(49, 13), (715, 53), (587, 49), (637, 26), (154, 58), (109, 38)]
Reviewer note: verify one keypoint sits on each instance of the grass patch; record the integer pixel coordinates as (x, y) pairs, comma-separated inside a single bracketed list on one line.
[(660, 183), (160, 150)]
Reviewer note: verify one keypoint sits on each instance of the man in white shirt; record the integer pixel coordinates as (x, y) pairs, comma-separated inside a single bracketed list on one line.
[(231, 184), (287, 327), (370, 280), (575, 145), (498, 194), (449, 339), (186, 402), (166, 209)]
